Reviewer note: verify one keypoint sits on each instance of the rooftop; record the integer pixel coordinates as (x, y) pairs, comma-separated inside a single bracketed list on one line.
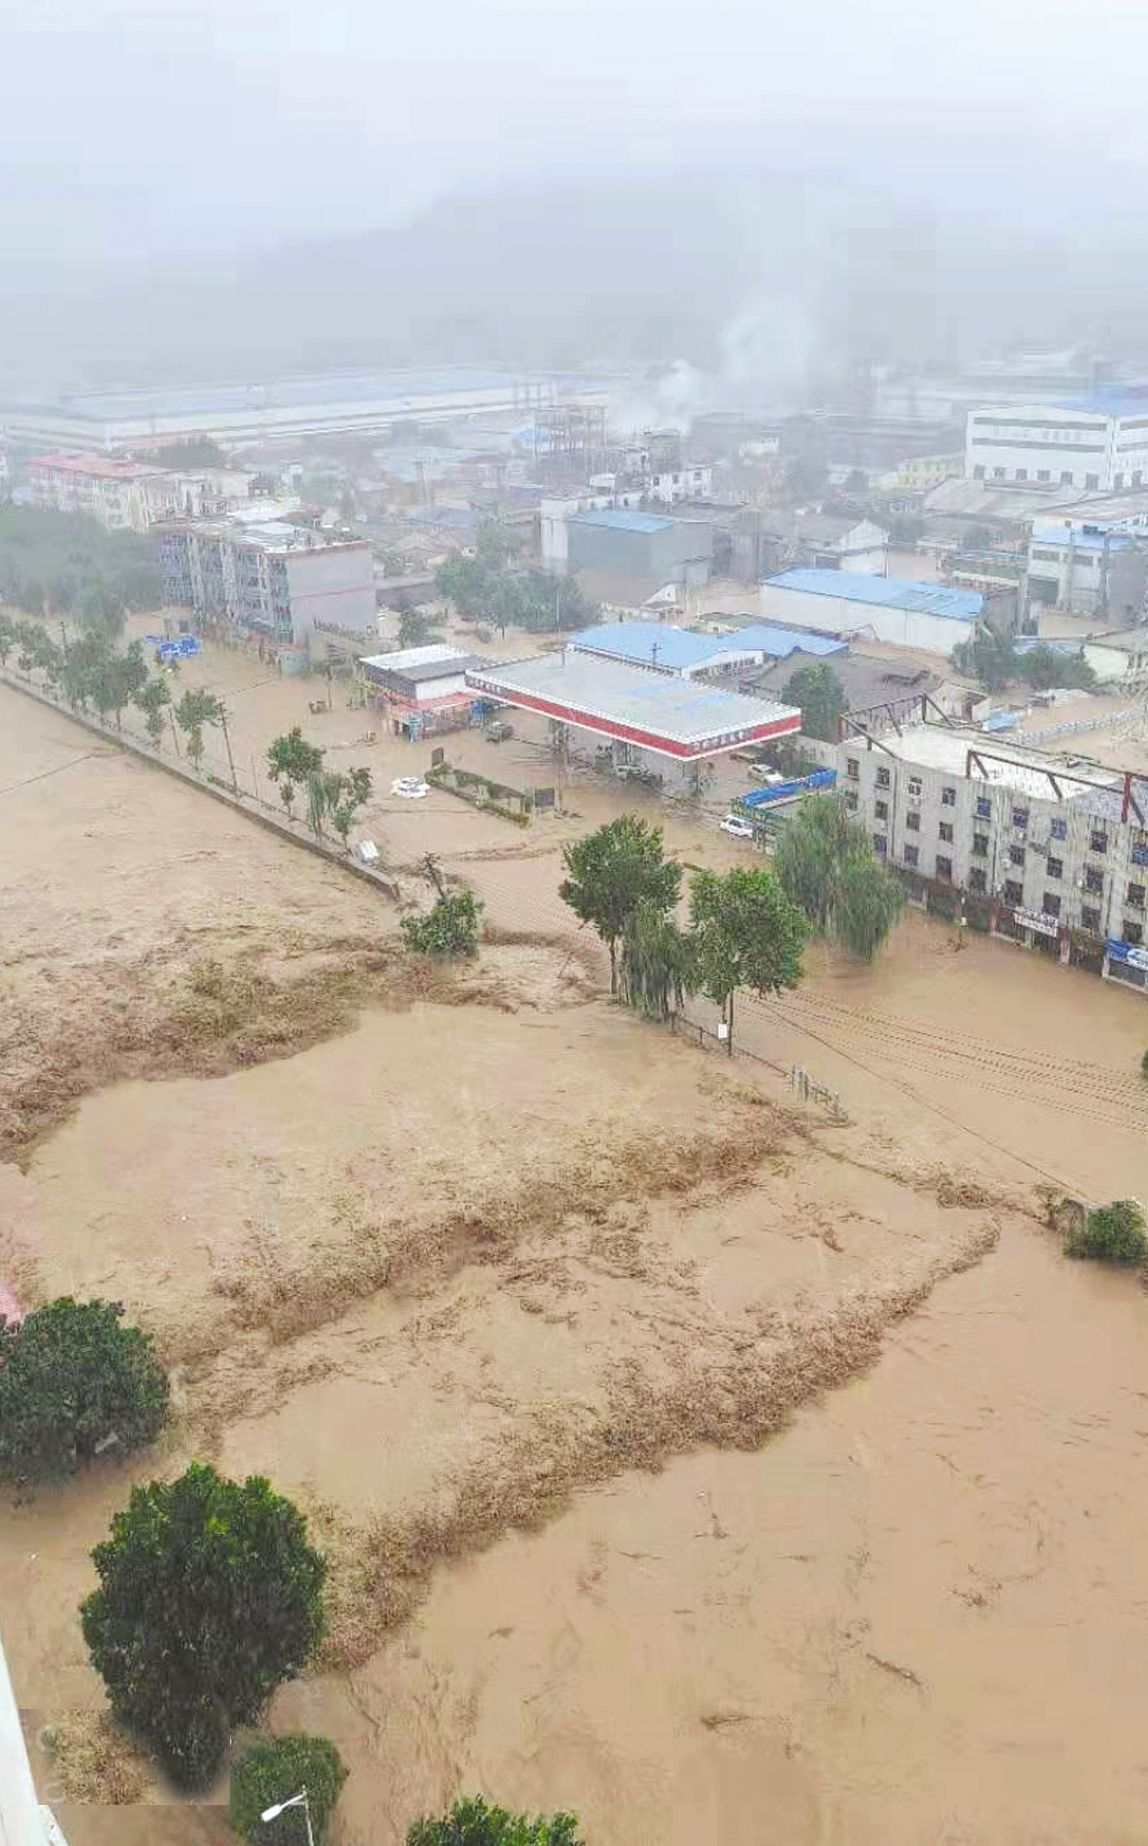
[(775, 639), (936, 746), (1088, 538), (672, 716), (649, 643), (409, 659), (622, 519), (100, 467), (883, 592)]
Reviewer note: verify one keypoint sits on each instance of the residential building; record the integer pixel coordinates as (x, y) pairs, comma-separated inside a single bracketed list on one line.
[(123, 496), (1056, 858), (1089, 569), (836, 541), (281, 583), (921, 615), (1097, 442), (669, 485), (641, 547)]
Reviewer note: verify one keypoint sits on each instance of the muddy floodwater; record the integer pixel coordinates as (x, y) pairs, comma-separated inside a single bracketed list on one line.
[(684, 1457)]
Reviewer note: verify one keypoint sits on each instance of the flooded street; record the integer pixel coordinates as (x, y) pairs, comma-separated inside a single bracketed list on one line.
[(683, 1458)]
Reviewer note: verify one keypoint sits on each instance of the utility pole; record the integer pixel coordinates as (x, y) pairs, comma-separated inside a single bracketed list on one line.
[(227, 742), (174, 731)]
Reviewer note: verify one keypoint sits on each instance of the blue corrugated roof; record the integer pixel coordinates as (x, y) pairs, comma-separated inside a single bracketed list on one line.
[(887, 592), (1121, 400), (1094, 540), (775, 639), (621, 519), (648, 643)]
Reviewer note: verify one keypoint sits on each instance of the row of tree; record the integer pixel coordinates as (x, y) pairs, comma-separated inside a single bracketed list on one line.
[(992, 659), (331, 796), (746, 927), (492, 588), (64, 564)]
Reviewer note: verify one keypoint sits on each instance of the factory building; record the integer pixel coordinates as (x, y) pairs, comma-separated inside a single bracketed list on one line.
[(1090, 569), (1097, 442), (636, 547), (921, 615)]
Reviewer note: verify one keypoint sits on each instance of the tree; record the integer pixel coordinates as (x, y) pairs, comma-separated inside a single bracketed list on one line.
[(195, 709), (472, 1823), (275, 1769), (805, 479), (151, 698), (747, 933), (451, 930), (73, 1382), (1042, 667), (209, 1597), (821, 697), (987, 657), (192, 452), (416, 629), (826, 864), (8, 637), (468, 583), (292, 756), (102, 610), (614, 870), (346, 794), (496, 544), (657, 965), (1111, 1234)]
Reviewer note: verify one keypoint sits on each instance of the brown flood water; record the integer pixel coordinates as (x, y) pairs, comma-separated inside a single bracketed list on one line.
[(920, 1615)]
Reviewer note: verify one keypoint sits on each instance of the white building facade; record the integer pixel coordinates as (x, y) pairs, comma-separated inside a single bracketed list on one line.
[(1097, 446)]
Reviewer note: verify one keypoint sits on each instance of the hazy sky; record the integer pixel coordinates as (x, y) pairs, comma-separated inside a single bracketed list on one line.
[(131, 130)]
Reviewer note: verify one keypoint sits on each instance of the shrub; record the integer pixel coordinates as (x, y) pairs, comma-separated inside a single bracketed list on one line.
[(451, 929), (209, 1596), (471, 1823), (1144, 1067), (273, 1770), (73, 1381), (1111, 1234)]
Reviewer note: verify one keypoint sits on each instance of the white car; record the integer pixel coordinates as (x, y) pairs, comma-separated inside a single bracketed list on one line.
[(760, 772), (411, 788), (740, 829)]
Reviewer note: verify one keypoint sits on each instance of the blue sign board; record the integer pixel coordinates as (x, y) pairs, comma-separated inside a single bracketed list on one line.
[(788, 791)]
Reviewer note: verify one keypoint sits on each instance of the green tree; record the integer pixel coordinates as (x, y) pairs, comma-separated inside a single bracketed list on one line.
[(209, 1597), (826, 864), (8, 637), (657, 967), (468, 583), (102, 609), (612, 871), (496, 544), (346, 794), (73, 1382), (195, 709), (747, 933), (451, 930), (416, 629), (151, 698), (294, 759), (275, 1769), (987, 657), (1042, 667), (1111, 1234), (821, 697), (472, 1823)]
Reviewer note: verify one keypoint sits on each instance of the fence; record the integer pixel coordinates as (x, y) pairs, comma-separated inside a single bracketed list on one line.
[(796, 1076), (1076, 727)]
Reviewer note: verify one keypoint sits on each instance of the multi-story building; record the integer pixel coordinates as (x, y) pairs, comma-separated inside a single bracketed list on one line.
[(123, 496), (1098, 443), (1090, 569), (282, 582), (1056, 858)]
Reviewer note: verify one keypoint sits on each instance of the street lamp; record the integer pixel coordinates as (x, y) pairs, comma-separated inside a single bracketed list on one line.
[(299, 1800)]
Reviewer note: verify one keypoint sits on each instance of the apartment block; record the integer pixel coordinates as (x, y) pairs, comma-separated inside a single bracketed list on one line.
[(1014, 841), (282, 582), (123, 496)]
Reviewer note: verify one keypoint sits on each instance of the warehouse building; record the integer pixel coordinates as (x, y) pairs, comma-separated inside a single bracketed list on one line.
[(1097, 442), (922, 615), (1089, 569), (637, 547), (280, 583), (1055, 858), (650, 723), (677, 650)]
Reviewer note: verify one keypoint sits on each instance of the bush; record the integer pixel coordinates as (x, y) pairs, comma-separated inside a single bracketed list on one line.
[(471, 1823), (1111, 1234), (209, 1597), (275, 1769), (452, 929), (1144, 1067), (73, 1381)]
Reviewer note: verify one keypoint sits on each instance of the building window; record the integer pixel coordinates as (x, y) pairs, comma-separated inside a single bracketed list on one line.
[(1059, 830), (1137, 477), (1013, 893), (979, 472), (1090, 919), (945, 869), (946, 830), (948, 797), (1133, 932), (1066, 478), (880, 845), (981, 845), (913, 821), (998, 474), (1055, 868), (852, 768), (1022, 474), (915, 785), (1093, 878), (1042, 474), (882, 778), (1016, 855), (1135, 897), (1097, 841), (851, 800), (977, 880), (1020, 818), (881, 810), (1050, 904), (984, 807), (912, 855), (1091, 483), (1139, 853)]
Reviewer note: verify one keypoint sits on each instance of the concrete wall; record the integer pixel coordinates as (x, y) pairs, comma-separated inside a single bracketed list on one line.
[(332, 586)]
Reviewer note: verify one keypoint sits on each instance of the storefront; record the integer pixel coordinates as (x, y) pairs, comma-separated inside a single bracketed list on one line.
[(1125, 963), (1033, 929)]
